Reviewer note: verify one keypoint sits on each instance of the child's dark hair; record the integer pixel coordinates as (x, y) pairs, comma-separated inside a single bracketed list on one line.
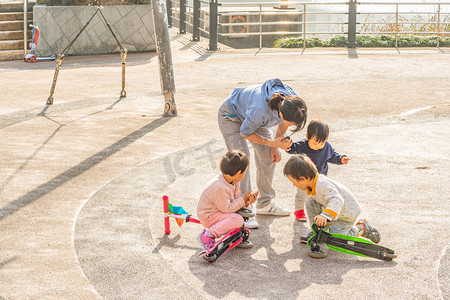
[(292, 107), (318, 129), (300, 166), (233, 161)]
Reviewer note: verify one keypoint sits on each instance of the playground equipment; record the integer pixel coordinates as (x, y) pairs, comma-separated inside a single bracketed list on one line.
[(60, 57), (34, 42)]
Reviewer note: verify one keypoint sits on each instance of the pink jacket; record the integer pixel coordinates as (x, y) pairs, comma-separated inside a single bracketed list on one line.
[(219, 196)]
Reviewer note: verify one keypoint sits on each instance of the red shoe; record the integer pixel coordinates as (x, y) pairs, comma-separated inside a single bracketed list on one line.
[(300, 215)]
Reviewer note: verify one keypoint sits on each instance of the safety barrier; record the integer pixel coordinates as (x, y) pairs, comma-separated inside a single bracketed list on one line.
[(245, 19)]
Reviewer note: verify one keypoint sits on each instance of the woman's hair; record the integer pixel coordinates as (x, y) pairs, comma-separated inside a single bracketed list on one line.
[(318, 129), (292, 107), (275, 101), (233, 161), (300, 166)]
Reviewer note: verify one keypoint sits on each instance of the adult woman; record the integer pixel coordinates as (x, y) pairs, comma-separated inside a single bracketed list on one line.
[(247, 115)]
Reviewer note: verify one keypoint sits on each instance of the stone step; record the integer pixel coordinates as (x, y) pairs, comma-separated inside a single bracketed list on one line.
[(12, 25), (14, 16), (12, 45), (11, 55), (15, 6), (13, 35)]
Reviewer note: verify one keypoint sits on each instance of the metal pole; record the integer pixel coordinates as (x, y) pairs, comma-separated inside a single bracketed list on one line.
[(25, 26), (196, 21), (213, 18), (60, 57), (182, 16), (123, 53), (351, 40), (59, 60), (439, 24), (164, 56), (396, 25), (260, 27), (304, 26), (123, 56), (169, 13), (166, 218)]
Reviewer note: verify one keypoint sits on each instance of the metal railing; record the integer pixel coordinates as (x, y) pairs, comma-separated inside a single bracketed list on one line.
[(398, 24), (205, 18)]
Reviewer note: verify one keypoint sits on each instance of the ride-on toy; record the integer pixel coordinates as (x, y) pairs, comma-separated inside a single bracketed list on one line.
[(230, 240), (34, 41), (347, 244)]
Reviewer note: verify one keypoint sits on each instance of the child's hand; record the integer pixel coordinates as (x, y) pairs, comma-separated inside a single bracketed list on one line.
[(283, 143), (320, 220), (252, 198), (344, 160), (246, 196)]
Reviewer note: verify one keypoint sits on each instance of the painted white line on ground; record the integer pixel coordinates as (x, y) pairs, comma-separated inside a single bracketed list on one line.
[(413, 111)]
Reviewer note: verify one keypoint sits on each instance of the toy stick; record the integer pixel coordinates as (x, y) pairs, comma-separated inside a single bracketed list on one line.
[(187, 218), (166, 211)]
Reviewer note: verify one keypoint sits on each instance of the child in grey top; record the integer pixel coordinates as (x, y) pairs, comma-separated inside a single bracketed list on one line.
[(328, 200)]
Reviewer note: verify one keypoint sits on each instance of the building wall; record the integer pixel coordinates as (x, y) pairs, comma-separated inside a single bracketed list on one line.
[(59, 25)]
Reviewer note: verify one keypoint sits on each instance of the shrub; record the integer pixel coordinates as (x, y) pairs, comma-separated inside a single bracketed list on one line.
[(384, 40)]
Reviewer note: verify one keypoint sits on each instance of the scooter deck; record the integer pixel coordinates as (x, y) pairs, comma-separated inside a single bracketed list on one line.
[(350, 244), (227, 242)]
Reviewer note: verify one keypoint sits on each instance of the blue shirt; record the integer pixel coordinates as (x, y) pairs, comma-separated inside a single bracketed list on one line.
[(249, 104), (319, 157)]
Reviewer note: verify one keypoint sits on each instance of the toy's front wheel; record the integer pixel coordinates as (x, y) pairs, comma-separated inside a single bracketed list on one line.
[(33, 58), (210, 258), (389, 256)]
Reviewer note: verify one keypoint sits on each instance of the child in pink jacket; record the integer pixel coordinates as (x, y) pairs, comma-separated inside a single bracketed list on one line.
[(221, 199)]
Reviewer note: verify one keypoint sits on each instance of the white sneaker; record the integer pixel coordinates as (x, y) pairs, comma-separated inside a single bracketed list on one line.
[(273, 210), (251, 223)]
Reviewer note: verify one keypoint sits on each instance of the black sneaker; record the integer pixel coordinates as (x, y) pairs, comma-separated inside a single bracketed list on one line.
[(246, 213), (304, 239)]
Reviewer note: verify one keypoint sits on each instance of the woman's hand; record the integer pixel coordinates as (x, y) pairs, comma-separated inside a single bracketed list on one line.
[(282, 143), (275, 155)]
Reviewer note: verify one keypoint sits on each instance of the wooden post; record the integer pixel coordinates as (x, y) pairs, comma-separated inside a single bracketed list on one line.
[(164, 56)]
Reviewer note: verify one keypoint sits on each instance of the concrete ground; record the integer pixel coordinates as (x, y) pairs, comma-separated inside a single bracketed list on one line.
[(81, 181)]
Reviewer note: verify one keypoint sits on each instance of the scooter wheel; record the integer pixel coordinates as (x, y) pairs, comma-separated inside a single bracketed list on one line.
[(33, 59), (211, 258), (24, 59), (389, 256)]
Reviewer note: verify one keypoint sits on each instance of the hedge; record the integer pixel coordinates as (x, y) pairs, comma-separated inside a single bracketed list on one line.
[(364, 41)]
